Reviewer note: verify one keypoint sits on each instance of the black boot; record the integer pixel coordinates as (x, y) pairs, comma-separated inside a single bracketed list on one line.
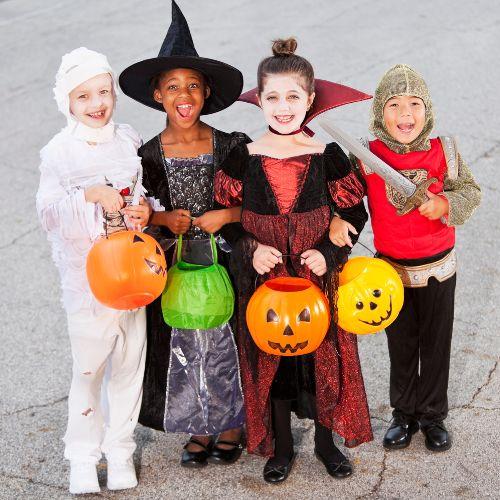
[(436, 436), (399, 434)]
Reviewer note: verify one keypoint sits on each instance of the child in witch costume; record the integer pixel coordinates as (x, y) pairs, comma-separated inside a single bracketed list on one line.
[(84, 171), (192, 382), (419, 245), (288, 185)]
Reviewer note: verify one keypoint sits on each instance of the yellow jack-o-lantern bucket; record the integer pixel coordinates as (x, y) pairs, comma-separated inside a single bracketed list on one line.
[(370, 295)]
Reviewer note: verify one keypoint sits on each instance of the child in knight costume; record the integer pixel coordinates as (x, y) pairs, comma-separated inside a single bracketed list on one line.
[(191, 382), (419, 244), (85, 170)]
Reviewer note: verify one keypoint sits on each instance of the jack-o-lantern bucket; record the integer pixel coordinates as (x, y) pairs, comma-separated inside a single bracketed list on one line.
[(126, 270), (288, 316), (370, 295)]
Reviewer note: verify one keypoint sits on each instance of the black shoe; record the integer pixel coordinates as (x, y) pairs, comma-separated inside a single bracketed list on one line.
[(338, 470), (223, 456), (277, 469), (399, 434), (436, 437), (196, 459)]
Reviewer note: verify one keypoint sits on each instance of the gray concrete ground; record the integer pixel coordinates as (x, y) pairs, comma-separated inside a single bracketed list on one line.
[(454, 44)]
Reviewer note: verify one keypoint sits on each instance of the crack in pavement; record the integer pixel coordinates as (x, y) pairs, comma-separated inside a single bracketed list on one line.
[(381, 419), (455, 408), (488, 380), (15, 412), (469, 405), (378, 484), (17, 238), (32, 481), (487, 153)]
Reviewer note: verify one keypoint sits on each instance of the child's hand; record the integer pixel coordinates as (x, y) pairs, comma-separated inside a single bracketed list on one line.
[(138, 215), (315, 261), (435, 208), (211, 221), (265, 258), (178, 221), (339, 232), (109, 198)]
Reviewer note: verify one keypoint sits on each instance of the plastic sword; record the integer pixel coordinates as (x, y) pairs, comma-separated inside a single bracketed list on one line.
[(415, 194)]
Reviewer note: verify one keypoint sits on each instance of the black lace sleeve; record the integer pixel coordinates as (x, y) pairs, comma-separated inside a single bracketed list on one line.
[(155, 182), (229, 150), (228, 185)]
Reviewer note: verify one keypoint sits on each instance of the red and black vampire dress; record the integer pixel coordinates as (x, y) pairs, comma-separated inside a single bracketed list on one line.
[(288, 204)]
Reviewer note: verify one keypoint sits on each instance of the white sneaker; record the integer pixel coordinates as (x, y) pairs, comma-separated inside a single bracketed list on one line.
[(121, 475), (83, 478)]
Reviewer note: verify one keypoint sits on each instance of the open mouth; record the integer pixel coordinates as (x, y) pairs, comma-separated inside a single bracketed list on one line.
[(156, 268), (288, 347), (184, 110), (406, 128), (284, 119), (98, 115), (382, 319)]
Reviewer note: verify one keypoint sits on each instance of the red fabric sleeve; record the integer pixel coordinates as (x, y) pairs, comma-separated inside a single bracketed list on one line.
[(228, 191), (347, 191)]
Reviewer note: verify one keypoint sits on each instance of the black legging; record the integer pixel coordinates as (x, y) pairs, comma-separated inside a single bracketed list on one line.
[(283, 440)]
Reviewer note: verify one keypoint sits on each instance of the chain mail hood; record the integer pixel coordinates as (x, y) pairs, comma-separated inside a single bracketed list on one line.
[(401, 80)]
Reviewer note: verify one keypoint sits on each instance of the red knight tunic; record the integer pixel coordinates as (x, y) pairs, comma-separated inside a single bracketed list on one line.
[(411, 236)]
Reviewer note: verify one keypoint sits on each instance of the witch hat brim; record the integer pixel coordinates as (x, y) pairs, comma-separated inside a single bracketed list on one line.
[(225, 81), (178, 51), (329, 95)]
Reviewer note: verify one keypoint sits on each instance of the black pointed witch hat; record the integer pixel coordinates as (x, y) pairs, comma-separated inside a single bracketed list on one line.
[(177, 51)]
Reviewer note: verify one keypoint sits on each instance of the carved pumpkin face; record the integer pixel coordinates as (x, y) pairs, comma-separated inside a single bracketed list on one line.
[(370, 295), (288, 316), (126, 270)]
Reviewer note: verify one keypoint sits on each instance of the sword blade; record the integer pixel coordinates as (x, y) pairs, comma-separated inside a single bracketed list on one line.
[(399, 182)]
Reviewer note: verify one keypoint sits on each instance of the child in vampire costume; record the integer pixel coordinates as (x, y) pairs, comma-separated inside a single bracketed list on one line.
[(287, 204), (420, 245), (192, 382)]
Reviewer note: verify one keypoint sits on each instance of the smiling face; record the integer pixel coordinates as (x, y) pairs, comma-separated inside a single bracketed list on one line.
[(93, 101), (126, 270), (182, 92), (404, 117), (288, 316), (370, 295), (284, 102)]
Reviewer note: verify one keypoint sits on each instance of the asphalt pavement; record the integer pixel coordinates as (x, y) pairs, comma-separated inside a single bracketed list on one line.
[(453, 44)]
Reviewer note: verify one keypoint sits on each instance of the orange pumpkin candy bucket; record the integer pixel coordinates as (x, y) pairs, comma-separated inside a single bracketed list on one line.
[(126, 270), (288, 316)]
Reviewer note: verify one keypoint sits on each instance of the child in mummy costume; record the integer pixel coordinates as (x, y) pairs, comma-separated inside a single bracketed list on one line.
[(84, 167), (420, 245)]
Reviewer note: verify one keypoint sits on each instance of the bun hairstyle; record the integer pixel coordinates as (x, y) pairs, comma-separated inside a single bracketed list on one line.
[(285, 61), (284, 47)]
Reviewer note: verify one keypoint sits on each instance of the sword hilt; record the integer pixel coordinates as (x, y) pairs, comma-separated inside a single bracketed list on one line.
[(418, 197)]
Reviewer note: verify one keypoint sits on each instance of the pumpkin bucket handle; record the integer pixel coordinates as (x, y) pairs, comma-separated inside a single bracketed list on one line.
[(109, 217)]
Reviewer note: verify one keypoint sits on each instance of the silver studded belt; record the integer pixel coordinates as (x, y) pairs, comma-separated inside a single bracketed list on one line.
[(418, 276)]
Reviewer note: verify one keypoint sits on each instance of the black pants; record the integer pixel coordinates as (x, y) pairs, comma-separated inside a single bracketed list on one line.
[(419, 349)]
